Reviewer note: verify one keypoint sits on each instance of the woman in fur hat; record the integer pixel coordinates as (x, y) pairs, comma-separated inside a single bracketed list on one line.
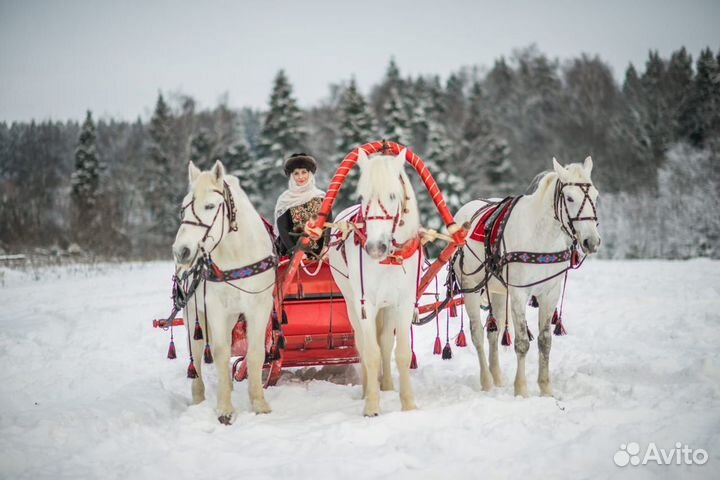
[(298, 204)]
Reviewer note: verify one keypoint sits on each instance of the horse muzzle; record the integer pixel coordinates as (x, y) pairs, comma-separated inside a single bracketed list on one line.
[(376, 250), (590, 245), (182, 255)]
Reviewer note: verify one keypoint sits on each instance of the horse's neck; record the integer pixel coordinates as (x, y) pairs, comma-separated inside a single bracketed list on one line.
[(532, 225), (250, 242), (411, 220)]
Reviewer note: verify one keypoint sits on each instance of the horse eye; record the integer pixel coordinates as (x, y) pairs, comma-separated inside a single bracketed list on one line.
[(209, 206), (570, 199)]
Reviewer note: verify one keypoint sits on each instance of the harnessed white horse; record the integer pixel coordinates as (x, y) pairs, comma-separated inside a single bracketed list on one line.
[(559, 215), (381, 285), (219, 224)]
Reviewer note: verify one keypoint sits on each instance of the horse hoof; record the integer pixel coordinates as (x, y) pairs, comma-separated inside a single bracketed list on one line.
[(369, 415), (261, 407), (407, 408), (225, 419)]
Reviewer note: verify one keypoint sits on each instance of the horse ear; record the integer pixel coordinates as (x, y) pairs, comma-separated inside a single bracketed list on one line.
[(218, 171), (587, 165), (559, 169), (399, 160), (193, 172), (362, 158)]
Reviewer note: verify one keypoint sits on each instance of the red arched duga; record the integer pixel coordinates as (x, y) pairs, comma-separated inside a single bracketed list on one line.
[(458, 232), (388, 148)]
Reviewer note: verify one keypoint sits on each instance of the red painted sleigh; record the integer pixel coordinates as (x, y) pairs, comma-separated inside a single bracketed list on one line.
[(310, 324)]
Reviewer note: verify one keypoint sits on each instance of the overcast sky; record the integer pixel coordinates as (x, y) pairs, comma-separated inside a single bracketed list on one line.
[(59, 58)]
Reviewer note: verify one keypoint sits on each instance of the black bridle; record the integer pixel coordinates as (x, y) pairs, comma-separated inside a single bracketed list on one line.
[(562, 212)]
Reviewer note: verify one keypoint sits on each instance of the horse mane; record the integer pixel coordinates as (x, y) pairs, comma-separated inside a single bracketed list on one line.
[(379, 179), (541, 182)]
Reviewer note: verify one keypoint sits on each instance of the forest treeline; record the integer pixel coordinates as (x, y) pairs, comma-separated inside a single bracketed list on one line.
[(114, 187)]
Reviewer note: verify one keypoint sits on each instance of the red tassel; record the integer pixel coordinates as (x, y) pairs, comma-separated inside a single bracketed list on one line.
[(555, 317), (533, 302), (447, 352), (198, 332), (574, 259), (207, 355), (506, 338), (191, 372), (453, 310), (491, 324), (171, 351), (559, 328), (413, 361), (529, 334), (461, 341), (437, 349)]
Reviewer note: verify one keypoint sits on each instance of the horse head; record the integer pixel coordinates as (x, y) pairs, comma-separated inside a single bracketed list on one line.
[(203, 213), (576, 204), (384, 192)]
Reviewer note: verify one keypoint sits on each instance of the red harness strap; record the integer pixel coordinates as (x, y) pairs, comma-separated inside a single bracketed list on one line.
[(403, 252)]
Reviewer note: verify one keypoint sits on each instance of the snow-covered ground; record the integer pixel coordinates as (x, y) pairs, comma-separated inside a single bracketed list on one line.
[(87, 392)]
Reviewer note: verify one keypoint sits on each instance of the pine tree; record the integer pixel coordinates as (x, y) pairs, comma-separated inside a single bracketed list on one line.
[(239, 162), (162, 195), (357, 127), (86, 177), (442, 163), (382, 93), (678, 87), (498, 167), (282, 135), (201, 149), (454, 102), (395, 123), (703, 113)]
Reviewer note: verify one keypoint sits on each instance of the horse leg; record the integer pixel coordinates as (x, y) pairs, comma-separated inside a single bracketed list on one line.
[(386, 339), (196, 349), (371, 361), (498, 307), (547, 307), (403, 353), (472, 307), (220, 337), (257, 320), (522, 342)]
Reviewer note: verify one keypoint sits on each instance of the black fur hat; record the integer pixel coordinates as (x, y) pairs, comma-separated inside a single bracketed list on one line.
[(300, 160)]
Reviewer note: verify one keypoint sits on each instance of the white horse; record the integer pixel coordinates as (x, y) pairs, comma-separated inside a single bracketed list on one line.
[(218, 219), (561, 211), (380, 297)]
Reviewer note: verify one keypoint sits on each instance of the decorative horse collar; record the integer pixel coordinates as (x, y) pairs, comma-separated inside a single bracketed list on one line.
[(214, 274)]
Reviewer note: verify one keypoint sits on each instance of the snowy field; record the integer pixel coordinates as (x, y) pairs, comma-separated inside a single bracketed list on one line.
[(87, 392)]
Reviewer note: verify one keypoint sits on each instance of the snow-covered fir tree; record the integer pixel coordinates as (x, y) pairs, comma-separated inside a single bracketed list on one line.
[(357, 127), (499, 170), (85, 179), (201, 149), (703, 115), (395, 123), (162, 194), (239, 162), (281, 136), (441, 161)]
